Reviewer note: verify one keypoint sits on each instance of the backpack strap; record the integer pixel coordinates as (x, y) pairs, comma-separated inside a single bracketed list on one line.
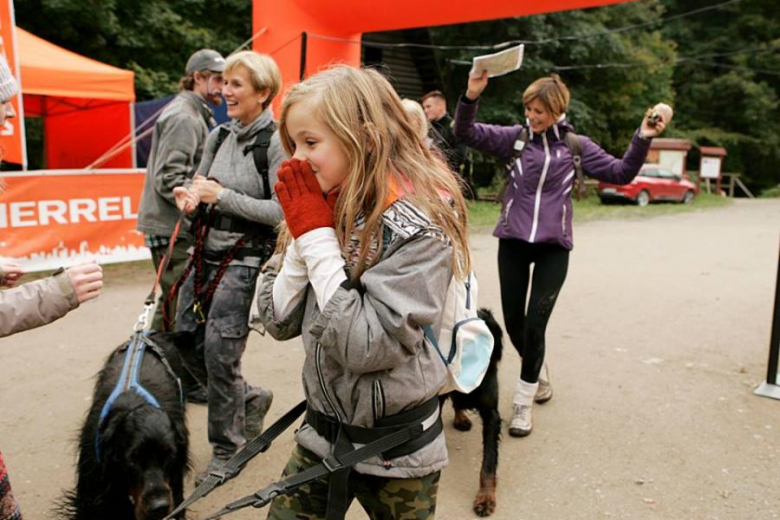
[(259, 149), (518, 148), (224, 131), (520, 143), (574, 143)]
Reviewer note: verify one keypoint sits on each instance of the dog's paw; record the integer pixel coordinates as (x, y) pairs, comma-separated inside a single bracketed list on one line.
[(461, 421), (485, 503)]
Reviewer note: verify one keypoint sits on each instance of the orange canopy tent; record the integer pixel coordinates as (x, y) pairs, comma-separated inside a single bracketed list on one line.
[(306, 35), (85, 104)]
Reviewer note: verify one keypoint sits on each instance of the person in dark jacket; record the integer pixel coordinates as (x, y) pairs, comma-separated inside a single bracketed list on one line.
[(435, 106), (535, 226)]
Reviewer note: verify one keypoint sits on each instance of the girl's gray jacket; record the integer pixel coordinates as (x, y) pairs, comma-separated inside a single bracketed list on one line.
[(366, 356)]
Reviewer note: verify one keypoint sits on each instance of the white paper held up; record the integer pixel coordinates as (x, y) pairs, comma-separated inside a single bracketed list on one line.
[(499, 63)]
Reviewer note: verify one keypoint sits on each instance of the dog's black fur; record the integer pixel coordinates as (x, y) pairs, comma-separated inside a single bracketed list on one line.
[(485, 401), (144, 449)]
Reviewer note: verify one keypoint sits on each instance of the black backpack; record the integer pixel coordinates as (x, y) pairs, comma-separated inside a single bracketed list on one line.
[(573, 143), (259, 148)]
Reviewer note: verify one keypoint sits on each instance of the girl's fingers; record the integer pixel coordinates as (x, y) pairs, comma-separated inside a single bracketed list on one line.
[(282, 193), (309, 179)]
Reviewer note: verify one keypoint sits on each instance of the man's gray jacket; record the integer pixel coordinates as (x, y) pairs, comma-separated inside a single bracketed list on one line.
[(177, 147)]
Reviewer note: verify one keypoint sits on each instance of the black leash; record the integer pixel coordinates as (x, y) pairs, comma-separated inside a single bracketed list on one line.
[(328, 466), (234, 466)]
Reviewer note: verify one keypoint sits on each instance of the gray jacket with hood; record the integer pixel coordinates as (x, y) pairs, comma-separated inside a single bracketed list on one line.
[(366, 356)]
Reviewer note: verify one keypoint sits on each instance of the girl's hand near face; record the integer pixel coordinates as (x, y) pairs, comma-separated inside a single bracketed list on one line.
[(303, 203), (476, 86)]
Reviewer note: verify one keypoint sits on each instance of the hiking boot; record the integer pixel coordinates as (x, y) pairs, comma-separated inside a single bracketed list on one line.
[(522, 403), (216, 464), (256, 410), (545, 392), (522, 420)]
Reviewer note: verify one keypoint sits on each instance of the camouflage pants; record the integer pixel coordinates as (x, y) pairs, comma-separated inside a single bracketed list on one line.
[(381, 498), (222, 340)]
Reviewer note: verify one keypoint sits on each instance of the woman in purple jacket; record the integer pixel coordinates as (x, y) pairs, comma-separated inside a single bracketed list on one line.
[(535, 224)]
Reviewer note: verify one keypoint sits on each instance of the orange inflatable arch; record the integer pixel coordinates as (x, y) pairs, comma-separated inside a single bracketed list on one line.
[(305, 36)]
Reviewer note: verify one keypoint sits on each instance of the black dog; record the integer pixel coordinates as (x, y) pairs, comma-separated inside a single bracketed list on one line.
[(132, 463), (485, 401)]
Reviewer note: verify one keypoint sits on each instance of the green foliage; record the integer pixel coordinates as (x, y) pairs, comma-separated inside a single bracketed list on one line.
[(771, 192), (731, 100), (153, 38)]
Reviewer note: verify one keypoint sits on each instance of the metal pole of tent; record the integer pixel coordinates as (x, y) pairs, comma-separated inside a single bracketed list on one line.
[(304, 37), (770, 388)]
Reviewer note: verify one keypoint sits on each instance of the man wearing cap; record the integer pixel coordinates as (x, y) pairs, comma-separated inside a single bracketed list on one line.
[(177, 146)]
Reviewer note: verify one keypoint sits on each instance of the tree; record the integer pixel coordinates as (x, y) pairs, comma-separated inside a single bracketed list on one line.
[(727, 84), (153, 38)]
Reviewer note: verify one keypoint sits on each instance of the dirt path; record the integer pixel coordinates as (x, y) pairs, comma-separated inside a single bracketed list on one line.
[(660, 335)]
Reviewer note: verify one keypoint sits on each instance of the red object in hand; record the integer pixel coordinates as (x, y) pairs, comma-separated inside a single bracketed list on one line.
[(303, 203)]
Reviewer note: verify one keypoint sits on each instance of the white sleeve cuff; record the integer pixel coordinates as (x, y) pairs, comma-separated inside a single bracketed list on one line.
[(321, 251), (290, 285)]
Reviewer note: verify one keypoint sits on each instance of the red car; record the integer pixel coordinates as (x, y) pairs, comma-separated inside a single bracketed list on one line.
[(653, 183)]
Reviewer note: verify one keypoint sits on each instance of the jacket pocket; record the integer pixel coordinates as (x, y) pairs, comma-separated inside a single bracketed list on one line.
[(507, 208), (378, 400), (233, 327), (563, 220)]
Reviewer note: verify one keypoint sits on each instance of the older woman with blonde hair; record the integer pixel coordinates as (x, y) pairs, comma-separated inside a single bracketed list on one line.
[(234, 234)]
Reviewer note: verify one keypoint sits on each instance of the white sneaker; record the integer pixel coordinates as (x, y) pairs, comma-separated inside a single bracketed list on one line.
[(522, 420)]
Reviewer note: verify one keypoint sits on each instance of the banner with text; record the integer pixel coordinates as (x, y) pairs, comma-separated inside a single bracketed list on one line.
[(58, 218), (12, 141)]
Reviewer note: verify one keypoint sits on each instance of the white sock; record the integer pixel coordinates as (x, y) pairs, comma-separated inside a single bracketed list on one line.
[(525, 392)]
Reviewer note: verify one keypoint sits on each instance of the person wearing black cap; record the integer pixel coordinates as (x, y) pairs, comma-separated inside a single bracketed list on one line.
[(177, 146)]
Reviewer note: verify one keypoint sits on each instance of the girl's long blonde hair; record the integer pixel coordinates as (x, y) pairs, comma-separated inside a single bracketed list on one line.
[(364, 112)]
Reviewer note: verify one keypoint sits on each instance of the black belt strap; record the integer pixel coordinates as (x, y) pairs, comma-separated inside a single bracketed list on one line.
[(224, 222), (338, 483), (330, 428), (328, 466), (234, 466)]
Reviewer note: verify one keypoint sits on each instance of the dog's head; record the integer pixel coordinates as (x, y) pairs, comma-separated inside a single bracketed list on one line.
[(141, 449)]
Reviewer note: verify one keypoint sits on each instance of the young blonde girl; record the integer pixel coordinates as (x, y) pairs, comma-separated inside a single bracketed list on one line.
[(377, 229)]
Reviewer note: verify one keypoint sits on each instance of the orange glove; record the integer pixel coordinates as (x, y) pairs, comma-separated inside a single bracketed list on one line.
[(303, 203)]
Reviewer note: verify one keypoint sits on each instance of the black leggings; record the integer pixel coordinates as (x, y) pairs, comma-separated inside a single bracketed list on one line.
[(527, 329)]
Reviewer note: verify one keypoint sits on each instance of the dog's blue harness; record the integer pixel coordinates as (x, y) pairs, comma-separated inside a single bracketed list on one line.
[(128, 379)]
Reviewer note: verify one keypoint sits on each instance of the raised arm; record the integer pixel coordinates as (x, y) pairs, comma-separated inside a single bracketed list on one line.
[(492, 139)]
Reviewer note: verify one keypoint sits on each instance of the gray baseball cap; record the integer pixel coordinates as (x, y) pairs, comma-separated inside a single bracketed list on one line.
[(205, 59)]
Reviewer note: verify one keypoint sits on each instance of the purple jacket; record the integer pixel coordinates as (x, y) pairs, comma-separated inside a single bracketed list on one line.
[(537, 204)]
